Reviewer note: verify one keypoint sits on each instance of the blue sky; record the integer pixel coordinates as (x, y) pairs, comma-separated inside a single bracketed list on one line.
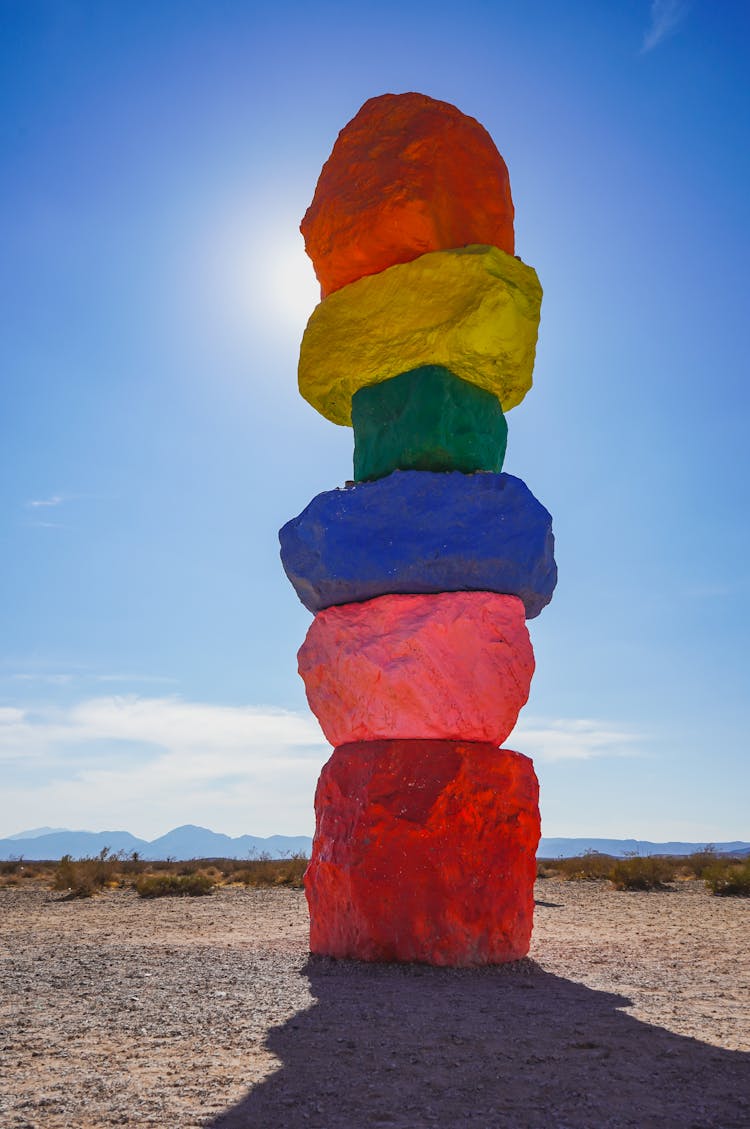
[(155, 161)]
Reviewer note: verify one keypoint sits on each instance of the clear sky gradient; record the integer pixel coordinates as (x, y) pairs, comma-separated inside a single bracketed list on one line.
[(155, 161)]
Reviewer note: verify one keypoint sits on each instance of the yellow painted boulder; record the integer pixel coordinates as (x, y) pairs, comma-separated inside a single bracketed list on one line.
[(474, 310)]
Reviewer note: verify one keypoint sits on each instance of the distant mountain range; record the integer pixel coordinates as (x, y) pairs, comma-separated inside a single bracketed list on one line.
[(35, 832), (191, 842), (570, 848), (186, 842)]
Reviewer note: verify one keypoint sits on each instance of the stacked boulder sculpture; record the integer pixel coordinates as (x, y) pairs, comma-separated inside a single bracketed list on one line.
[(422, 572)]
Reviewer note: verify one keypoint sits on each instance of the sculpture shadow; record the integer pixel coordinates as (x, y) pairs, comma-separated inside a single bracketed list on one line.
[(404, 1047), (407, 1046)]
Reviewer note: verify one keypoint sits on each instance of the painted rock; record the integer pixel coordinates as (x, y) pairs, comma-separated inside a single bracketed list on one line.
[(426, 419), (407, 175), (419, 532), (453, 666), (424, 851), (473, 310)]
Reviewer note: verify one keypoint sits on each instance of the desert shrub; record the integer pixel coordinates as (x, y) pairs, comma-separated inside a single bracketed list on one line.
[(103, 869), (16, 872), (648, 872), (591, 864), (272, 872), (161, 866), (700, 861), (174, 885), (71, 877), (729, 878), (230, 868), (84, 877), (132, 864)]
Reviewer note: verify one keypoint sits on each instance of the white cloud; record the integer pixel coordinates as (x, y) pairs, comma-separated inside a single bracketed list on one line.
[(149, 763), (64, 679), (152, 678), (51, 679), (665, 18), (711, 590), (571, 739), (55, 500), (9, 715)]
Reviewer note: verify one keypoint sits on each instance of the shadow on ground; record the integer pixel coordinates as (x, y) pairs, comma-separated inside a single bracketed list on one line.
[(407, 1046)]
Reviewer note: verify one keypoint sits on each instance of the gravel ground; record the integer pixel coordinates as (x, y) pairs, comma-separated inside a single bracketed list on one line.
[(633, 1010)]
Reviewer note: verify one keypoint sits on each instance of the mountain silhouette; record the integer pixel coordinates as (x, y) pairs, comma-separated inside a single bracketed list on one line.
[(186, 842), (192, 842)]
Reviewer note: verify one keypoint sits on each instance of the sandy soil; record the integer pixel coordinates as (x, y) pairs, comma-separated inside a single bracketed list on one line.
[(633, 1010)]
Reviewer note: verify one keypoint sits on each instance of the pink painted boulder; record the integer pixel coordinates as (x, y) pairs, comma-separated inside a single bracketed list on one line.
[(450, 666)]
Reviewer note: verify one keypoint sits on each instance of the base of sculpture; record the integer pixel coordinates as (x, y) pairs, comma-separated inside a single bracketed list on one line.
[(424, 851)]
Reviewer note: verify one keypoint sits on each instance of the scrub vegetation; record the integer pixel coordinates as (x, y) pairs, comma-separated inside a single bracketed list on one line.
[(722, 874), (82, 878)]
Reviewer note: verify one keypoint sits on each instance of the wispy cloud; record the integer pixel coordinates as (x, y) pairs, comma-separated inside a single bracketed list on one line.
[(10, 715), (51, 679), (147, 678), (572, 739), (712, 590), (665, 18), (147, 763), (40, 503), (211, 733), (59, 678)]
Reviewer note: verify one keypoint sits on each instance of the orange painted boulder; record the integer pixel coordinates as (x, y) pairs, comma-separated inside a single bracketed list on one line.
[(408, 174), (424, 851), (451, 665)]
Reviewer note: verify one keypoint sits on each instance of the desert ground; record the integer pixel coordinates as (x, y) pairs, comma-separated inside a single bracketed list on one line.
[(633, 1009)]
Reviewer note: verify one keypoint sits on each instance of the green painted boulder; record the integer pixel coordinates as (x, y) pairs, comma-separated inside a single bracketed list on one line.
[(426, 419)]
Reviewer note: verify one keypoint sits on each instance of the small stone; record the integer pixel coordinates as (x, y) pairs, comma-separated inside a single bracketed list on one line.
[(426, 419), (408, 174), (424, 851), (451, 666), (416, 531), (473, 310)]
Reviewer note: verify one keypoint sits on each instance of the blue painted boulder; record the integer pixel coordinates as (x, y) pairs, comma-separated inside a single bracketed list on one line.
[(418, 531)]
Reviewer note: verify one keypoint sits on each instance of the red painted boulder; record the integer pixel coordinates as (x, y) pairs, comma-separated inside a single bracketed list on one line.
[(424, 851), (451, 666), (407, 175)]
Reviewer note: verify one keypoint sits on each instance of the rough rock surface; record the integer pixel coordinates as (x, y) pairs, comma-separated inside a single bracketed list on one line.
[(426, 419), (407, 175), (424, 851), (416, 531), (474, 310), (454, 666)]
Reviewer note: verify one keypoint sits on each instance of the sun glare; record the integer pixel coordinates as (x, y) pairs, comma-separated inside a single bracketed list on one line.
[(256, 280)]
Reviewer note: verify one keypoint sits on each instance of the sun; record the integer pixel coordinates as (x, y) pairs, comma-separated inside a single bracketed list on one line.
[(293, 290), (251, 278)]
